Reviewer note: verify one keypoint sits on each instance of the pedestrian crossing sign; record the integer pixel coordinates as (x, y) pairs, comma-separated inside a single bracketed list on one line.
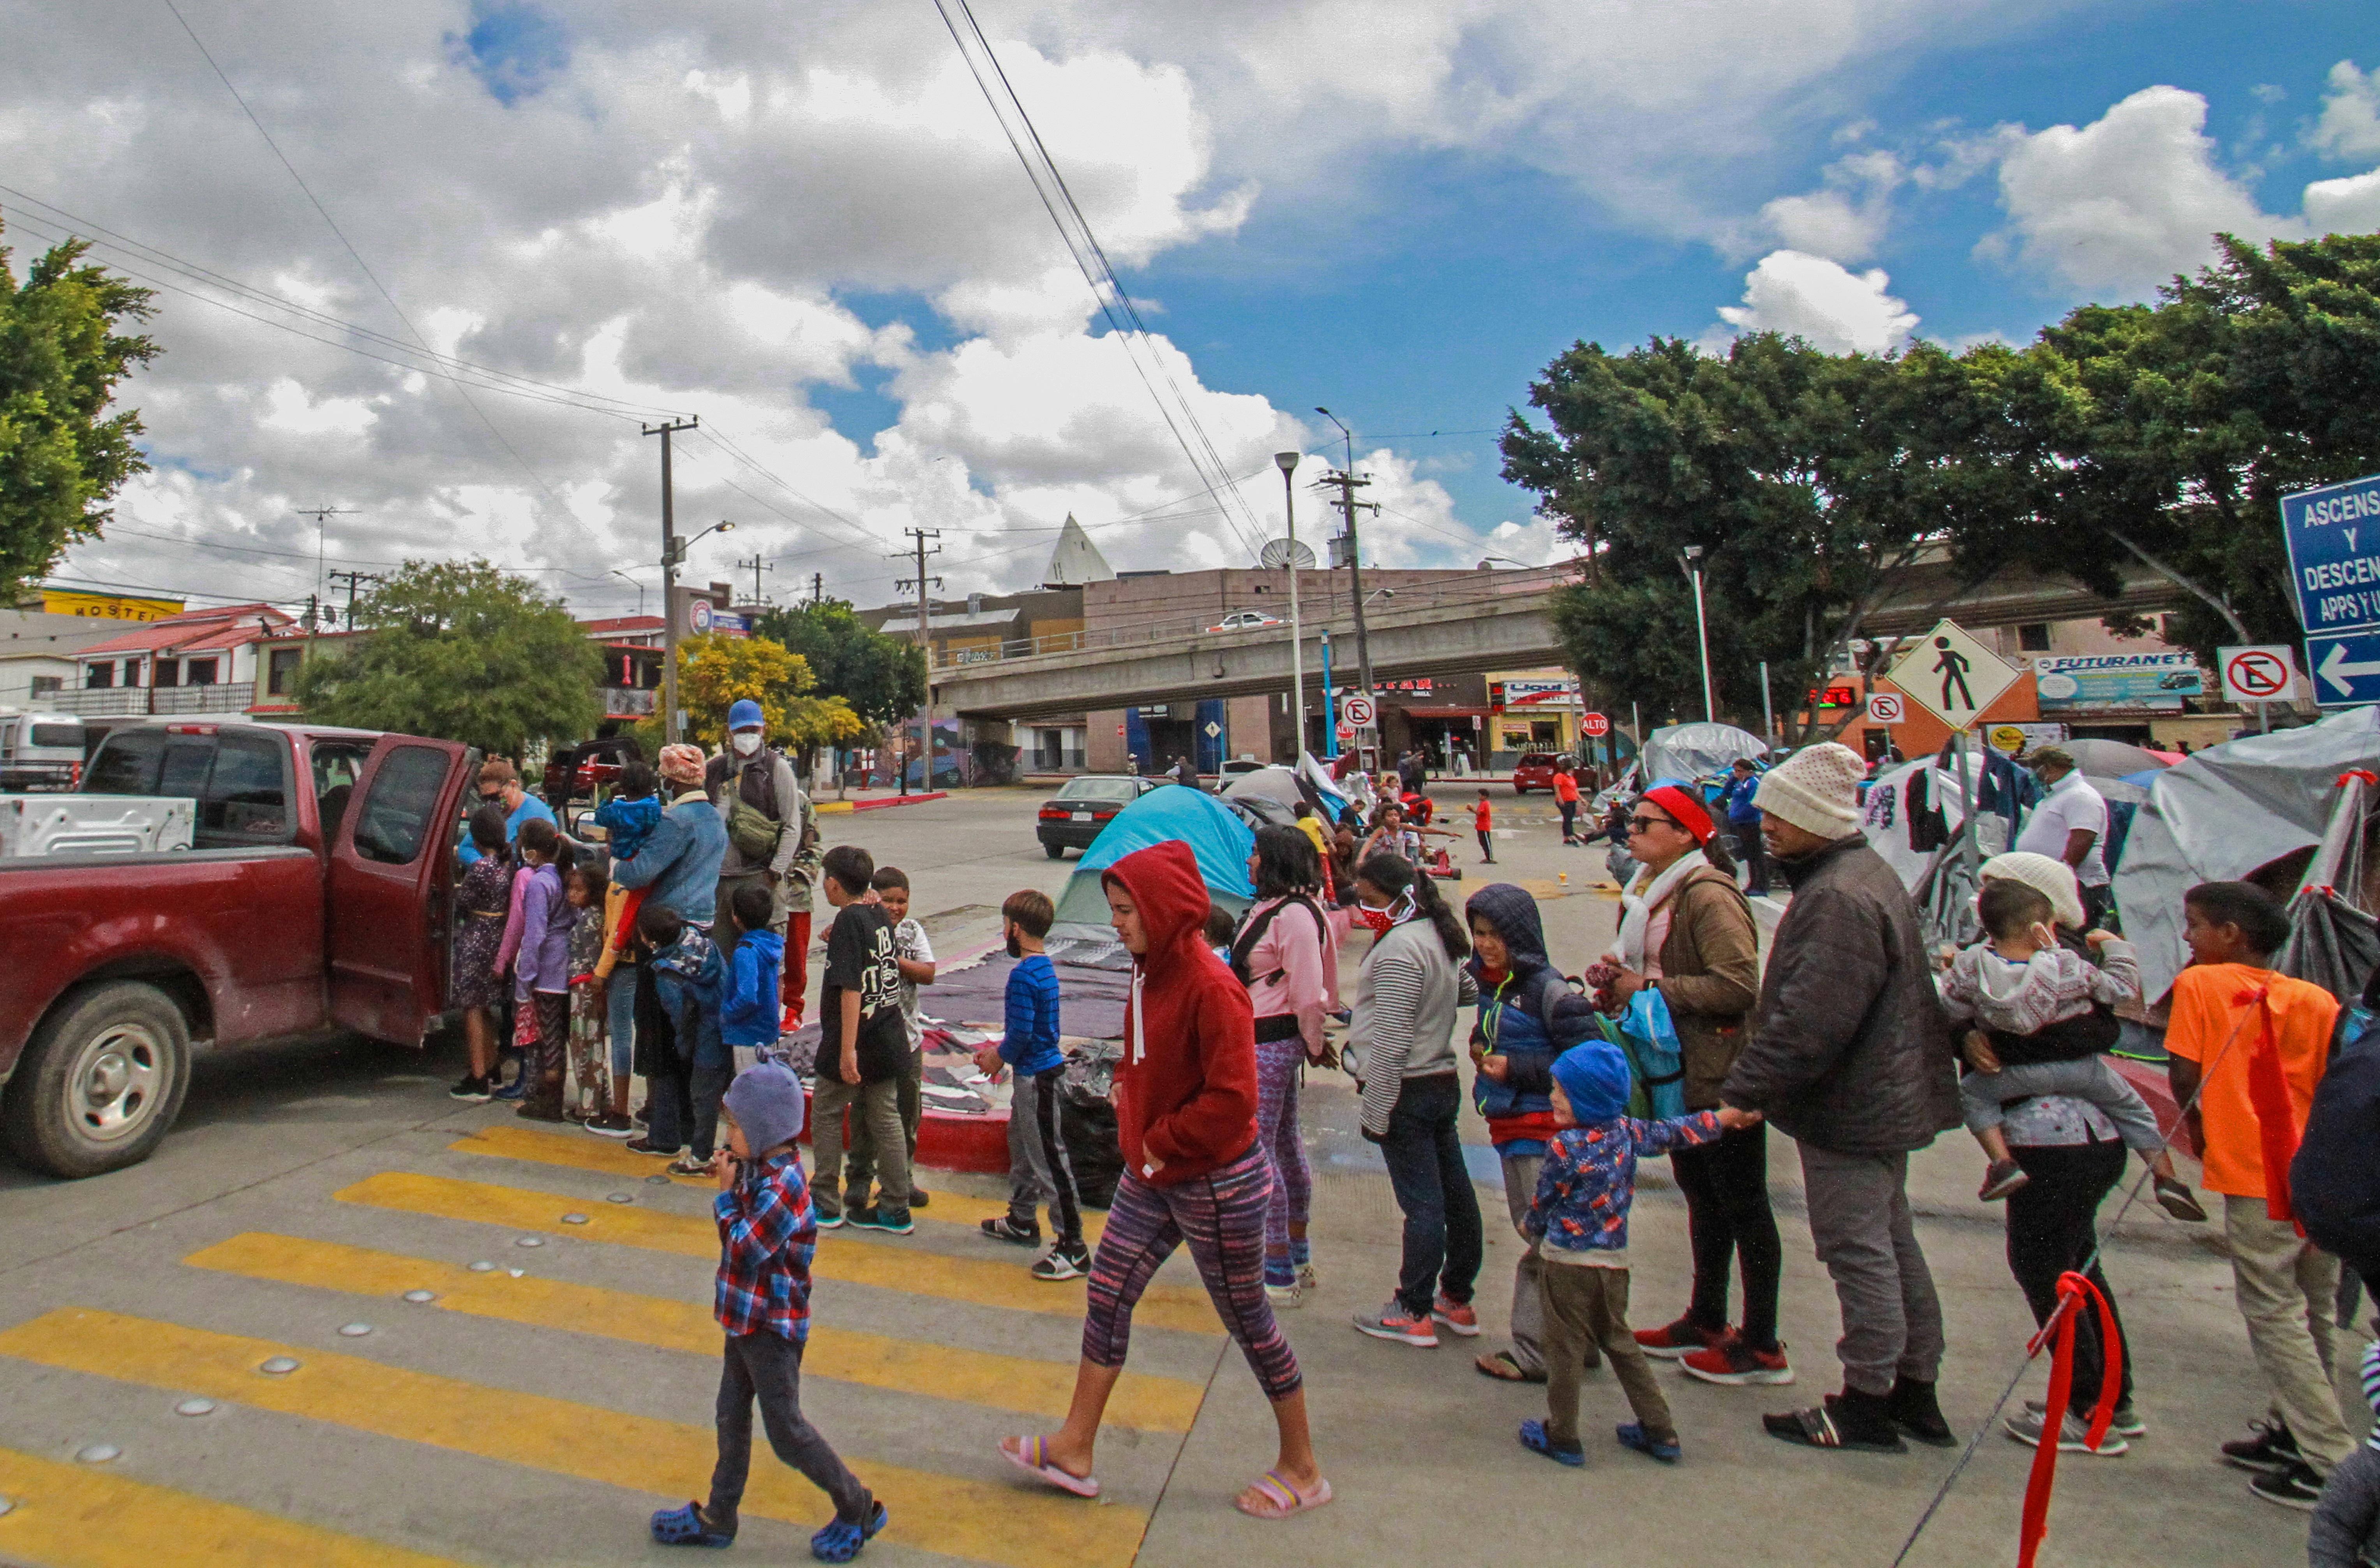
[(1953, 676)]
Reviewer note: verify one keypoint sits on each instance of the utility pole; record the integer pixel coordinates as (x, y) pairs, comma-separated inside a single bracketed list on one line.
[(353, 581), (1347, 485), (1287, 462), (671, 552), (757, 567), (818, 589), (321, 516), (925, 645)]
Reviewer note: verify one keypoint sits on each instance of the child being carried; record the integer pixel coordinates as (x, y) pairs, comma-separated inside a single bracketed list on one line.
[(2019, 984)]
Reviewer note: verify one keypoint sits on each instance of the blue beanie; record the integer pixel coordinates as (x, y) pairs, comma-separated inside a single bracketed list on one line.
[(766, 1101), (1594, 1078), (744, 714)]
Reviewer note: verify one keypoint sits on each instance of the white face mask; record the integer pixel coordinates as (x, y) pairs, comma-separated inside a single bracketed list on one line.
[(746, 742)]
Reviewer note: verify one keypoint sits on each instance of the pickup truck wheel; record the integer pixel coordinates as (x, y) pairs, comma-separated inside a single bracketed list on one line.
[(100, 1081)]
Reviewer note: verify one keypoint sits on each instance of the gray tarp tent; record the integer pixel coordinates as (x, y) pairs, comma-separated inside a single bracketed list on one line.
[(2220, 814), (1696, 751)]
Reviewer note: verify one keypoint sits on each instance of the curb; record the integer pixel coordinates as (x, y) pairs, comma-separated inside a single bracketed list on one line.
[(837, 808)]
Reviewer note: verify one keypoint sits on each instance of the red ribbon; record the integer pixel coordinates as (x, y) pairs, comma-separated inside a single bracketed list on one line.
[(2073, 1288), (2369, 777), (2268, 1093)]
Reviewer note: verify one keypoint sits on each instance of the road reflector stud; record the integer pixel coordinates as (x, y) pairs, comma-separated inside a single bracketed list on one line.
[(7, 1506), (539, 1240), (354, 1331), (483, 1267), (619, 1197), (280, 1365), (98, 1452), (195, 1408), (421, 1297), (657, 1181), (574, 1219)]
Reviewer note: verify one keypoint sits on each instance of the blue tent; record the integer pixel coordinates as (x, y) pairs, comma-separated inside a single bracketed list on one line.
[(1221, 841)]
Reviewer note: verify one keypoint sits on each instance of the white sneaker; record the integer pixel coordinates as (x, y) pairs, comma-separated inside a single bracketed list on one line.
[(2071, 1433), (1306, 1278), (1285, 1296)]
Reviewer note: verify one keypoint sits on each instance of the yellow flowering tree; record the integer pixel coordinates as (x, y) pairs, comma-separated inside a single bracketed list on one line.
[(715, 672)]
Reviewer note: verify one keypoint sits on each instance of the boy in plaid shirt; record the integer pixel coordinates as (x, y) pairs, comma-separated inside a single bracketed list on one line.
[(766, 1232)]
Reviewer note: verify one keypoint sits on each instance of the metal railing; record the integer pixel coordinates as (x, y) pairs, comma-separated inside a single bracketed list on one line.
[(117, 702), (1333, 616)]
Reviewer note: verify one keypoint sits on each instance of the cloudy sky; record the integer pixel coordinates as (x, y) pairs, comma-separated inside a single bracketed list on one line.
[(803, 225)]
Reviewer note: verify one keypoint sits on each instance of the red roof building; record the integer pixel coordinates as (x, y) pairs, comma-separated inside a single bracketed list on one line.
[(206, 658)]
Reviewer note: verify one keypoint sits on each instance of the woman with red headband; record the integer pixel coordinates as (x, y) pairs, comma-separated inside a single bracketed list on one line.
[(1686, 931)]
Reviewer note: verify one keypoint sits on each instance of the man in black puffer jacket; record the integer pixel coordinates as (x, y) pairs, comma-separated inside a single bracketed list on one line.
[(1850, 1055)]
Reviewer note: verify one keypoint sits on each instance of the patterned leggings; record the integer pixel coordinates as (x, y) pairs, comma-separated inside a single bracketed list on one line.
[(1277, 1136), (1222, 1216), (589, 1064)]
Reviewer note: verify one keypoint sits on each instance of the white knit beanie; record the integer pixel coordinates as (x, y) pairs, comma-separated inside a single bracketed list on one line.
[(1817, 789), (2053, 879)]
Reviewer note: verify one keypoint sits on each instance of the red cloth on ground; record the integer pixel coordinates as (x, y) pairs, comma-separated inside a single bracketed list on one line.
[(1186, 1093)]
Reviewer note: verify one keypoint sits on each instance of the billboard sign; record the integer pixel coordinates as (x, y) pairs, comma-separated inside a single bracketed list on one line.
[(2128, 682)]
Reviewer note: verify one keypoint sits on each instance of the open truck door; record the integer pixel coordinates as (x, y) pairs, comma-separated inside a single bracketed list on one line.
[(391, 888)]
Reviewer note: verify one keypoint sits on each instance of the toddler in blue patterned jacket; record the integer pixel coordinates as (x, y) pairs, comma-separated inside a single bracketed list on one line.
[(1579, 1225)]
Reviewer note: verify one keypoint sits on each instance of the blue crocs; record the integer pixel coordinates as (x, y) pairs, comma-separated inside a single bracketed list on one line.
[(1631, 1435), (1534, 1439), (840, 1541), (684, 1527)]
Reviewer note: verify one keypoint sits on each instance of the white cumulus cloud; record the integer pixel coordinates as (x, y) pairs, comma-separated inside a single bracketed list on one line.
[(2349, 126), (1820, 301)]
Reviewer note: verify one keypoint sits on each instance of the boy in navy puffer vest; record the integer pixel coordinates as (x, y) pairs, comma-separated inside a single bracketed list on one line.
[(1528, 1015)]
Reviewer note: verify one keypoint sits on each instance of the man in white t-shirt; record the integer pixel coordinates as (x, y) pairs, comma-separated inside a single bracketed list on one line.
[(2070, 825)]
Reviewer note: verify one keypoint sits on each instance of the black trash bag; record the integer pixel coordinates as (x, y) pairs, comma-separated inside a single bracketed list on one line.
[(1089, 1128)]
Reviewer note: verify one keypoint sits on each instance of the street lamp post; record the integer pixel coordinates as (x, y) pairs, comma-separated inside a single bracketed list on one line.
[(1288, 461), (633, 583), (1355, 571), (1702, 628)]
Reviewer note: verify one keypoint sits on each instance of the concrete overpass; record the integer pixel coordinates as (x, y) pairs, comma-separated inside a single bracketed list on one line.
[(1497, 620)]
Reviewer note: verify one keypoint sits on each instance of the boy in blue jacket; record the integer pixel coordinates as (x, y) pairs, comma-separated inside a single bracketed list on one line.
[(767, 1233), (1038, 1166), (749, 1008), (687, 981), (1579, 1227), (1528, 1015)]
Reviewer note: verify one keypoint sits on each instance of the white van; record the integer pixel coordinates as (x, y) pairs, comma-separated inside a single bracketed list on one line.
[(41, 750)]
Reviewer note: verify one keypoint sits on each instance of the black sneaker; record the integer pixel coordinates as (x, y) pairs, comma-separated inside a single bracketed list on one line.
[(471, 1089), (2297, 1486), (1063, 1264), (1913, 1408), (645, 1145), (1008, 1230), (2268, 1447), (894, 1222), (916, 1198)]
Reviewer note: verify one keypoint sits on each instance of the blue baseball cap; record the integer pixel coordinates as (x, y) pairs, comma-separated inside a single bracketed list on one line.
[(744, 714)]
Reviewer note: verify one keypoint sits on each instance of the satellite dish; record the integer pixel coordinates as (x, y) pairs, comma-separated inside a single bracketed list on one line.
[(1276, 555)]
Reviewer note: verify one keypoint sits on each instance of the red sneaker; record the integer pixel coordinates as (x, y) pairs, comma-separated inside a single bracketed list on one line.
[(1734, 1363), (1672, 1341), (1457, 1316)]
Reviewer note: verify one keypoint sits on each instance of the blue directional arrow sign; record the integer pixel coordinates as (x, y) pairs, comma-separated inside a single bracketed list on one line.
[(2334, 542)]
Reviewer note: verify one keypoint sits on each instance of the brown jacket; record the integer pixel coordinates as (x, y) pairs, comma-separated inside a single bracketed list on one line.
[(1711, 977)]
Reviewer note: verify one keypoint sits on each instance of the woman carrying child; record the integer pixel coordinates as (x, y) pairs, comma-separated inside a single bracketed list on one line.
[(1280, 953), (1686, 933), (481, 901)]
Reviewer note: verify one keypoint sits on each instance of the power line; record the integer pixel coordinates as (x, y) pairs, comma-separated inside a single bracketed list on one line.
[(1115, 303)]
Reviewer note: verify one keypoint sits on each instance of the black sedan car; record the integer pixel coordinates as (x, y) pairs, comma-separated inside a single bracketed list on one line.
[(1074, 816)]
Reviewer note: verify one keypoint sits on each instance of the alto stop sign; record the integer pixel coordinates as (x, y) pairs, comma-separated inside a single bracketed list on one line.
[(1595, 724)]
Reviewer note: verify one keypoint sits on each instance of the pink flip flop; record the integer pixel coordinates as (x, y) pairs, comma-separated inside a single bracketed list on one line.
[(1286, 1500), (1031, 1454)]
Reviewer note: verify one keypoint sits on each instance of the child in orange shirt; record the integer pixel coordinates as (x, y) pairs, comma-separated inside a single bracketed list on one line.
[(2251, 1046), (1483, 821)]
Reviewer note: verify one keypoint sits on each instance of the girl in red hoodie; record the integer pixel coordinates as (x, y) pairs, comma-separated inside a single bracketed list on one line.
[(1185, 1105)]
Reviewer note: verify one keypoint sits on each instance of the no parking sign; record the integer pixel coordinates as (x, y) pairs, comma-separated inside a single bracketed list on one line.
[(2261, 674)]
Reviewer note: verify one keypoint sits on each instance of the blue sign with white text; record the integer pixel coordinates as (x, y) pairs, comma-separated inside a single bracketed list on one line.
[(2334, 540), (2345, 669)]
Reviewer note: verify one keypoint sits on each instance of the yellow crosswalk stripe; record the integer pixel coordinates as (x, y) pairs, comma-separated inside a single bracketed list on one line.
[(76, 1517), (581, 1153), (971, 1377), (1005, 1525), (887, 1266)]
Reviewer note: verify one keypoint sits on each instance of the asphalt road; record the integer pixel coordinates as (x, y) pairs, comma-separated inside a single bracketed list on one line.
[(536, 1409)]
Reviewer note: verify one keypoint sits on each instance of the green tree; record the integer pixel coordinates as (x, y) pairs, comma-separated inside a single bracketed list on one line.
[(882, 679), (715, 672), (1813, 483), (62, 455), (462, 651)]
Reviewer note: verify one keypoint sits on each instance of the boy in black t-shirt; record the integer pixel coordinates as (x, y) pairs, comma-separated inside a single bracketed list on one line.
[(863, 1045)]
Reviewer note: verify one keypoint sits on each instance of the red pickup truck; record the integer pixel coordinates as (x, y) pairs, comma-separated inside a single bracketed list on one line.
[(318, 895)]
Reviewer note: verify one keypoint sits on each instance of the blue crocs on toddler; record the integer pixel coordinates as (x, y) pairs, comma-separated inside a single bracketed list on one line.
[(840, 1541), (1534, 1439), (1631, 1435), (684, 1526)]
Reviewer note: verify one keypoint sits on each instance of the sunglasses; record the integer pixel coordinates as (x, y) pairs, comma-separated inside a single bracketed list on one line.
[(1647, 824)]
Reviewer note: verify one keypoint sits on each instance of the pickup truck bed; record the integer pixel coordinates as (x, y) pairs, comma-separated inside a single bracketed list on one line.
[(336, 914)]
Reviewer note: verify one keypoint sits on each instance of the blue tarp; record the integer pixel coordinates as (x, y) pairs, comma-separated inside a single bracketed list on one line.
[(1221, 841)]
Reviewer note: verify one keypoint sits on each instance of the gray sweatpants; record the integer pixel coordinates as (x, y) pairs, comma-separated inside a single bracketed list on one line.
[(768, 1368), (1985, 1096), (1860, 1222), (1039, 1168), (1528, 1301)]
